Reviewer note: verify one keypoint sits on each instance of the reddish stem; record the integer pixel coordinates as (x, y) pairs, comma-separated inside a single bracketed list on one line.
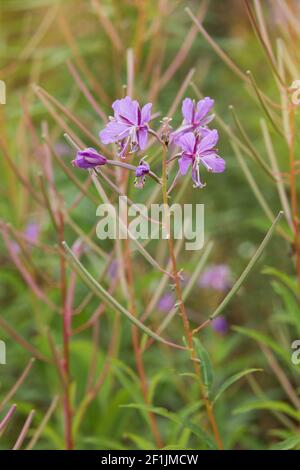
[(66, 330), (294, 200)]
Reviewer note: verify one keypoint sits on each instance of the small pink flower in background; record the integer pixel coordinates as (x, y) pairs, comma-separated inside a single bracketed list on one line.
[(196, 150), (31, 233), (217, 277), (62, 149), (166, 302), (128, 126), (88, 158), (220, 325)]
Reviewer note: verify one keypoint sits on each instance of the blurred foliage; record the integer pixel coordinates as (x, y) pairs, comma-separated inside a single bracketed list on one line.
[(38, 37)]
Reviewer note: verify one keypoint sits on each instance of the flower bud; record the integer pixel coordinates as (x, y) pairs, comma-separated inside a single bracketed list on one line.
[(88, 158)]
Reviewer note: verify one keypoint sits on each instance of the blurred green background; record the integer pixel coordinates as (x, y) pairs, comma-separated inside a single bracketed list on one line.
[(38, 38)]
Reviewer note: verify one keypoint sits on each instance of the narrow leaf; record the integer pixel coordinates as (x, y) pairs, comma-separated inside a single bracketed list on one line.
[(231, 380), (206, 367)]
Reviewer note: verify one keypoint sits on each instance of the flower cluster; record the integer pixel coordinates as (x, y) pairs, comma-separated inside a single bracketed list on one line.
[(197, 142), (129, 128)]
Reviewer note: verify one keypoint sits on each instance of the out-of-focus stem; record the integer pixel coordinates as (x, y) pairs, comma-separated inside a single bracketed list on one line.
[(138, 351), (294, 201), (66, 334)]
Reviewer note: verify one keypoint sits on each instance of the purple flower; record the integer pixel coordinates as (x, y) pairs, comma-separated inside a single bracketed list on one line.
[(198, 149), (32, 232), (216, 277), (61, 149), (166, 302), (195, 116), (220, 325), (88, 158), (141, 171), (129, 126)]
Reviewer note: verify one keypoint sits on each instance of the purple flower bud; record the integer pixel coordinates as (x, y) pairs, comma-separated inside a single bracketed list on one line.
[(88, 158), (140, 172), (166, 130), (220, 325)]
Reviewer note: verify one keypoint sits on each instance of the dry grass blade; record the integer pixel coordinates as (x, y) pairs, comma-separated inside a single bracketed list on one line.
[(24, 431), (18, 384), (37, 434)]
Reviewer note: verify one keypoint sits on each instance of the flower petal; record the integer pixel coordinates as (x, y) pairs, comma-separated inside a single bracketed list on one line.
[(126, 108), (187, 142), (146, 113), (203, 108), (213, 163), (142, 136), (113, 132), (184, 164), (208, 142), (188, 110)]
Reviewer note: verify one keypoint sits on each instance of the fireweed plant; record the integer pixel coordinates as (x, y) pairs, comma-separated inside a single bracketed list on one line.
[(76, 330), (192, 144), (130, 128)]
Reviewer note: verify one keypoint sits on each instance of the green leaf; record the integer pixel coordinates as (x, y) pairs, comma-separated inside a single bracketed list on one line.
[(231, 380), (269, 405), (175, 447), (284, 278), (140, 442), (196, 430), (206, 367), (161, 377), (261, 338), (291, 305), (287, 444)]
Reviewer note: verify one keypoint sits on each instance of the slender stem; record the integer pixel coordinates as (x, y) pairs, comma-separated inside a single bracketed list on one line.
[(294, 200), (24, 431), (66, 334), (138, 350), (7, 417), (17, 385), (185, 321)]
